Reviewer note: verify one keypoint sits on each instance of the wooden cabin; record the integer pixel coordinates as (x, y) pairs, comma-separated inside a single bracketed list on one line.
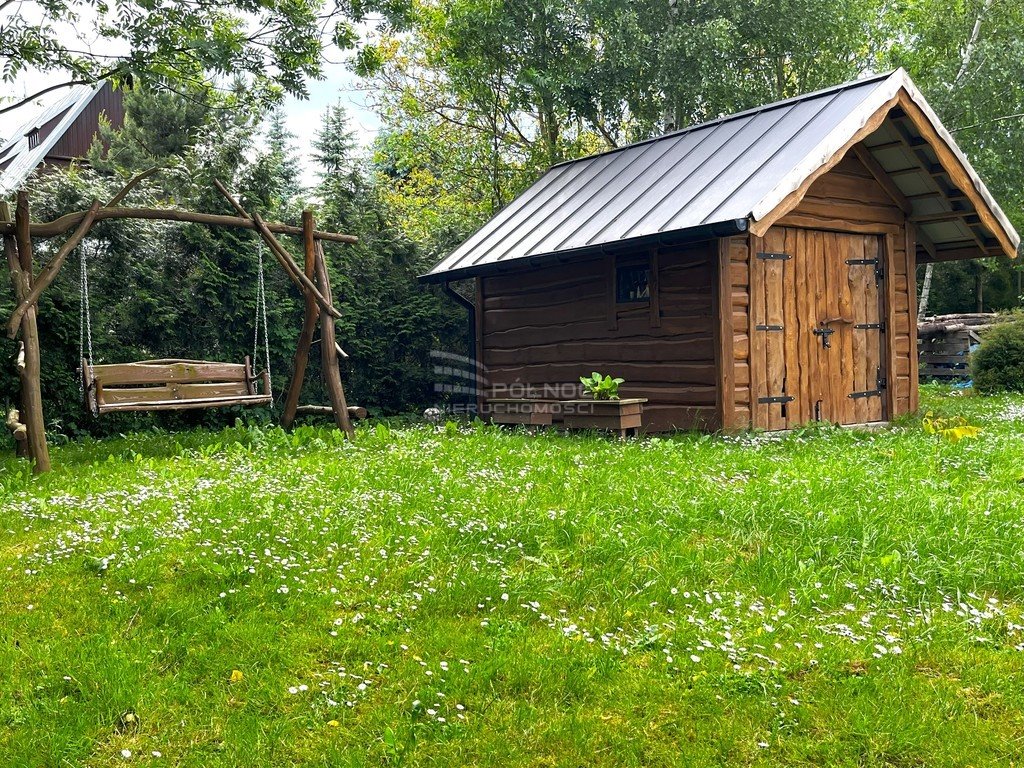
[(756, 271)]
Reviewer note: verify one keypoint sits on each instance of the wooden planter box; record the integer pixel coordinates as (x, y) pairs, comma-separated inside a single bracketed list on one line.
[(622, 416), (534, 413)]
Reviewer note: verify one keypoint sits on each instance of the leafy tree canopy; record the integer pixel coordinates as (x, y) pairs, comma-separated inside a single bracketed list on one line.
[(275, 45), (478, 97)]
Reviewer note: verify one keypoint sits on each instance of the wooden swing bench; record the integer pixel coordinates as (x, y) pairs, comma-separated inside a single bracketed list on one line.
[(172, 385)]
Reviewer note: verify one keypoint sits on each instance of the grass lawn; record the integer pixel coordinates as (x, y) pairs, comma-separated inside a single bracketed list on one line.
[(461, 596)]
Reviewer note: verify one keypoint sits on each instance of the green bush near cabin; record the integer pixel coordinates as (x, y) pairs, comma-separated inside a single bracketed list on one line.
[(998, 363)]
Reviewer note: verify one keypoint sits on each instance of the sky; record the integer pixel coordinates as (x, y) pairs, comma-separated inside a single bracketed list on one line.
[(302, 116)]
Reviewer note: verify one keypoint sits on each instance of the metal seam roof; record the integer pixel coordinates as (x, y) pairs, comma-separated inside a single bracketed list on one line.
[(738, 167), (25, 159)]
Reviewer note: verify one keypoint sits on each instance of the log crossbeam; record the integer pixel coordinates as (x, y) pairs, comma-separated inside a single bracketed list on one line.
[(70, 220)]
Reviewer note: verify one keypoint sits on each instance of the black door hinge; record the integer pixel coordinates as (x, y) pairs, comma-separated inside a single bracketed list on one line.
[(769, 328), (776, 399), (876, 263), (870, 326), (774, 255), (868, 393)]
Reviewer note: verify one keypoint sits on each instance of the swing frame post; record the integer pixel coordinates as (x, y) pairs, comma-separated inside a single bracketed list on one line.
[(329, 353), (27, 286), (19, 260), (310, 318)]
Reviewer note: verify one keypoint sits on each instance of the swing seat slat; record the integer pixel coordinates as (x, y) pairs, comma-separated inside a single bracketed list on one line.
[(169, 385)]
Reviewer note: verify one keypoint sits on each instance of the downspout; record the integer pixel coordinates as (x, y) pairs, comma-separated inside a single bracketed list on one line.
[(471, 346)]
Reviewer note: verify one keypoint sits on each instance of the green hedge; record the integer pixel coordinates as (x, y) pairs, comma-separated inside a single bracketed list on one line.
[(998, 364)]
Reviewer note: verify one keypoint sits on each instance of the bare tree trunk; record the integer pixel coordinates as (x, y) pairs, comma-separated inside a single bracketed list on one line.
[(972, 42), (926, 289)]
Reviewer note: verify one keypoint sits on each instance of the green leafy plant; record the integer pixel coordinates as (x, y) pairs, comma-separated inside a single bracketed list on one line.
[(601, 387), (953, 429), (998, 364)]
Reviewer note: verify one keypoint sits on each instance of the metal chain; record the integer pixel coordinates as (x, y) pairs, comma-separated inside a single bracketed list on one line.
[(261, 315), (84, 314)]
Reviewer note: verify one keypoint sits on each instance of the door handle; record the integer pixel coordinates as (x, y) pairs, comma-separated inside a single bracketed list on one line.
[(824, 332)]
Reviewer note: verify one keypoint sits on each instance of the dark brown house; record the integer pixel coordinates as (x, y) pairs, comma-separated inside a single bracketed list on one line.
[(58, 134), (756, 271)]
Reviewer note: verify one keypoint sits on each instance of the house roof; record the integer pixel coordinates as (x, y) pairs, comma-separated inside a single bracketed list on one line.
[(741, 172), (24, 159)]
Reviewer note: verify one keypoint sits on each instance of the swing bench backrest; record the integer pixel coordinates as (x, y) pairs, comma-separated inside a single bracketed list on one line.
[(172, 385)]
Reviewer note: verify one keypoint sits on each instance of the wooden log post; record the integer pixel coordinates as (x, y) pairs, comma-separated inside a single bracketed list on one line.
[(329, 352), (354, 411), (69, 221), (31, 383), (16, 426), (19, 431), (309, 321)]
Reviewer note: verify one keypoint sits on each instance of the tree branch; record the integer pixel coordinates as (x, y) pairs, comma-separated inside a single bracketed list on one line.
[(1016, 116), (130, 186), (44, 91)]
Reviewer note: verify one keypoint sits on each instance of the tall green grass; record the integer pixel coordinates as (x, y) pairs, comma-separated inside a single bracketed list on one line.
[(466, 595)]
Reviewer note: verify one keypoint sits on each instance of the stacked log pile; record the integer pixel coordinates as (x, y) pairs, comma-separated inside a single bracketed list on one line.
[(945, 341)]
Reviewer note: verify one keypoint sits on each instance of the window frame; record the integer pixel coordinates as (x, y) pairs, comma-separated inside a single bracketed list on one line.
[(632, 265)]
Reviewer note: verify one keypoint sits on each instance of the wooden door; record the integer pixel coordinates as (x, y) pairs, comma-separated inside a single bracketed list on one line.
[(817, 334)]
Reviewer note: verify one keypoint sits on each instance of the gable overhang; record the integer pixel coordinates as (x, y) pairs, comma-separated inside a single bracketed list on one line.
[(632, 245), (916, 159)]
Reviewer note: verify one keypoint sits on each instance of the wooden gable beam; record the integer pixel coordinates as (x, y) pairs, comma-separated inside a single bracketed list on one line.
[(882, 177), (956, 171)]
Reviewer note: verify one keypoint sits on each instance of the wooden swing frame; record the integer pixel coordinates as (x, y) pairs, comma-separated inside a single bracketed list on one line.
[(27, 424)]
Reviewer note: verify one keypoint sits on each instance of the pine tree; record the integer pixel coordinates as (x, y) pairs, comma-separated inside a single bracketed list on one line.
[(334, 142)]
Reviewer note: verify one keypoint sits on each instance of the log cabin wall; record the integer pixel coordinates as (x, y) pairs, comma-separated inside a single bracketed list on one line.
[(734, 291), (548, 326), (847, 199), (108, 104)]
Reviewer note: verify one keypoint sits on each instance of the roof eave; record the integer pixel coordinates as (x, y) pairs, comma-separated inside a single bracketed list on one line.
[(678, 237)]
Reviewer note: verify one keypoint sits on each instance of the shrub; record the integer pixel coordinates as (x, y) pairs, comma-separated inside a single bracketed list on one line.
[(998, 364)]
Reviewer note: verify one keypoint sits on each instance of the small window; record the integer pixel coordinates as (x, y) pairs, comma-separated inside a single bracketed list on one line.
[(632, 284), (33, 139)]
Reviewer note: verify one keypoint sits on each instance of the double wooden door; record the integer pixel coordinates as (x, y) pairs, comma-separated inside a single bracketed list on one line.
[(817, 334)]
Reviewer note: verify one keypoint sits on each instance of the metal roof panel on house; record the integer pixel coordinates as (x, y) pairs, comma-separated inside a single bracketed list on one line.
[(18, 151), (709, 177)]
